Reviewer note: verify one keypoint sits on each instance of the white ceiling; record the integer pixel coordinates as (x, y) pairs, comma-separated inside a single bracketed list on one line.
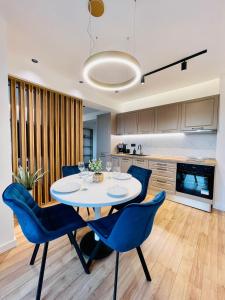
[(55, 32)]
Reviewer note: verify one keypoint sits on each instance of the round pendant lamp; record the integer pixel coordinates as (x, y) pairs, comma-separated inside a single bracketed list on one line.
[(115, 57)]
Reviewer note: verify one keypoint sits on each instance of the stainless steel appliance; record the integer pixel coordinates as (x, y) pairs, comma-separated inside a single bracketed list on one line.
[(122, 148), (196, 180)]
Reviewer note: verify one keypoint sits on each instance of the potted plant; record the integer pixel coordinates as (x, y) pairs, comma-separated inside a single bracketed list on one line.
[(28, 179), (96, 167)]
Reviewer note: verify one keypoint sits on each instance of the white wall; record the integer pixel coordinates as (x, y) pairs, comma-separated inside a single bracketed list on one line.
[(6, 218), (220, 152), (203, 89), (179, 144)]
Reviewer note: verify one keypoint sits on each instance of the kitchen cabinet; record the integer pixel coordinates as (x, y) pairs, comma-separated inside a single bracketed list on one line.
[(120, 124), (167, 118), (125, 163), (163, 177), (130, 122), (139, 162), (115, 162), (200, 114), (146, 121)]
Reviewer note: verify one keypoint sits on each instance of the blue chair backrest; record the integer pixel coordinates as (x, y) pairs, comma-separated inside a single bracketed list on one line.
[(27, 212), (134, 224), (143, 175), (70, 170)]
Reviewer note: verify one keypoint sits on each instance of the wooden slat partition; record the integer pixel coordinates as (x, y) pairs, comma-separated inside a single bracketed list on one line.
[(47, 132)]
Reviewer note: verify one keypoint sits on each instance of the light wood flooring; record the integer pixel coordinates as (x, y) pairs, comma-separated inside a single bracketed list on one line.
[(185, 254)]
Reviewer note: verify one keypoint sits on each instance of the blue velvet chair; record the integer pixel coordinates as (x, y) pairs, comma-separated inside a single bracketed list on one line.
[(42, 225), (128, 229), (71, 170), (141, 174)]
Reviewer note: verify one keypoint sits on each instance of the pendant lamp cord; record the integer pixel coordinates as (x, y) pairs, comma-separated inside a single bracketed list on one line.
[(89, 30)]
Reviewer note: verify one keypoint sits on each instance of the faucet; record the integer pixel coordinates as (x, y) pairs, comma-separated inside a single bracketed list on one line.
[(140, 148)]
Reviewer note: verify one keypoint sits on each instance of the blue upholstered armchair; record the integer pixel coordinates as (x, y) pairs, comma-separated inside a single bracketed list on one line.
[(141, 174), (128, 229), (42, 225)]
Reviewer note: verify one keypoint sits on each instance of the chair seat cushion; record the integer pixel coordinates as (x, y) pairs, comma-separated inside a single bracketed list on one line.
[(104, 226), (61, 219)]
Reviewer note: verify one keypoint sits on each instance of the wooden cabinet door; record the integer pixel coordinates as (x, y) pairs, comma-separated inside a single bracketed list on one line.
[(139, 162), (115, 162), (146, 120), (120, 124), (200, 114), (125, 163), (130, 122), (168, 118)]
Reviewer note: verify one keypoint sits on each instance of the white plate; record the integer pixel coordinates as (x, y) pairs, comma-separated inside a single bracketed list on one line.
[(121, 176), (117, 191), (68, 187)]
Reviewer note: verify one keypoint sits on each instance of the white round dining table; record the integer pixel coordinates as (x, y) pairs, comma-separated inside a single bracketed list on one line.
[(94, 195)]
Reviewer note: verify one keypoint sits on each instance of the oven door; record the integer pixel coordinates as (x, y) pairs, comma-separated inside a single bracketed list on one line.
[(195, 180)]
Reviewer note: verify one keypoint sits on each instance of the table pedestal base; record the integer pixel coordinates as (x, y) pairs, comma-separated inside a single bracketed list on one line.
[(88, 244)]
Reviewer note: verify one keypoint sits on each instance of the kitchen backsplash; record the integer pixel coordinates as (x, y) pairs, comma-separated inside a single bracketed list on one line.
[(197, 145)]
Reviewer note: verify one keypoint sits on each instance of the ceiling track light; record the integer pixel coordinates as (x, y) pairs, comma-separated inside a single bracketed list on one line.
[(182, 61), (183, 66)]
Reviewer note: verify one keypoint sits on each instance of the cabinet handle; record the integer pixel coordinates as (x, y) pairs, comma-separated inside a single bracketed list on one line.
[(161, 181), (162, 169), (161, 164), (140, 160), (197, 128)]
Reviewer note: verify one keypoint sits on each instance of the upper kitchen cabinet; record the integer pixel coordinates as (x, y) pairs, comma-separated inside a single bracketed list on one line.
[(167, 118), (200, 114), (130, 122), (120, 124), (146, 120), (127, 123)]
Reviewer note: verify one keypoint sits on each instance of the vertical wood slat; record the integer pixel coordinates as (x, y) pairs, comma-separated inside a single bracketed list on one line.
[(31, 128), (54, 136), (22, 112), (51, 137), (68, 152), (72, 132), (38, 141), (14, 126), (79, 141), (45, 145), (62, 130), (57, 148)]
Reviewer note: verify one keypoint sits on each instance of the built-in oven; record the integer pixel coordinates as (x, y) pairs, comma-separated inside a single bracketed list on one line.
[(197, 180)]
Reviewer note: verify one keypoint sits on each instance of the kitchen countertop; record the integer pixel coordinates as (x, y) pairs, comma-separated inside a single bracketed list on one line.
[(176, 159)]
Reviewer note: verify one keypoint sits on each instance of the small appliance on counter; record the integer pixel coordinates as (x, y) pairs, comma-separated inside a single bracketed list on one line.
[(134, 150), (122, 148)]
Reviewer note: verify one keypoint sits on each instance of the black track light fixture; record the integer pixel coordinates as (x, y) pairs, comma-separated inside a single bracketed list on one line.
[(182, 61), (183, 65)]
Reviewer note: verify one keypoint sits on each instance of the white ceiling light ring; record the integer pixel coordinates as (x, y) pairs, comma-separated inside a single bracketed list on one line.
[(116, 57)]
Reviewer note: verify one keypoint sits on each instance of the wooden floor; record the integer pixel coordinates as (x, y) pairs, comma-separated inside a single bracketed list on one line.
[(185, 254)]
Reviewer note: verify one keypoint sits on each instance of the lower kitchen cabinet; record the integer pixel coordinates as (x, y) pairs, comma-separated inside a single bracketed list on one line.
[(125, 163), (115, 162), (142, 163)]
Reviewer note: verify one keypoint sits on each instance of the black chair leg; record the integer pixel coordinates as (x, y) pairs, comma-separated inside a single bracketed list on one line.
[(111, 210), (78, 210), (116, 275), (73, 241), (88, 211), (94, 252), (145, 268), (33, 257), (41, 275)]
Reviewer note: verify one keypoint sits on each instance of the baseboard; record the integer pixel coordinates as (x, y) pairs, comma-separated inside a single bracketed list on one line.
[(8, 246)]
